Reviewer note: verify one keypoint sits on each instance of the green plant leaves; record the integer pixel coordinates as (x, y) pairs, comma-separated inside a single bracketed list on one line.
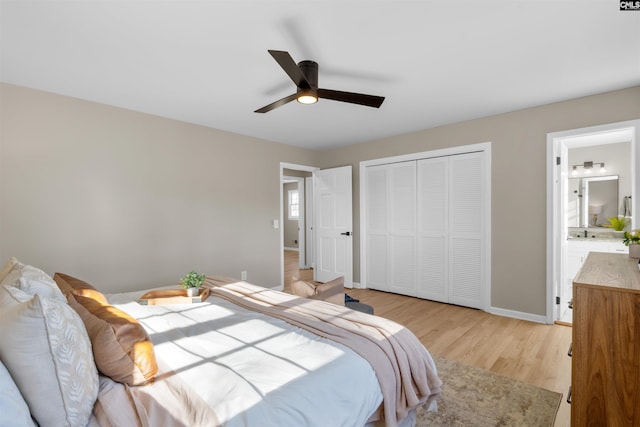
[(192, 280)]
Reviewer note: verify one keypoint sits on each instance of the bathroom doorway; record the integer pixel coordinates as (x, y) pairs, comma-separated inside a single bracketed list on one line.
[(567, 151)]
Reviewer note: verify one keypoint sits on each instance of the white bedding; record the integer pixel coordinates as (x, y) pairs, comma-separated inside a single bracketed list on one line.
[(255, 370)]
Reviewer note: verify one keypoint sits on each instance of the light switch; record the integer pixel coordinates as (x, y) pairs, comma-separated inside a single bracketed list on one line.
[(275, 223)]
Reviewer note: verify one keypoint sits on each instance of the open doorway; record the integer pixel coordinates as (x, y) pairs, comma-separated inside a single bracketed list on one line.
[(296, 219), (297, 212), (577, 158), (293, 218), (328, 221)]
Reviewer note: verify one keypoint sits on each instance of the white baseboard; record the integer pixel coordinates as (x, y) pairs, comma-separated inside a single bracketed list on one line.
[(355, 285), (292, 249), (518, 315)]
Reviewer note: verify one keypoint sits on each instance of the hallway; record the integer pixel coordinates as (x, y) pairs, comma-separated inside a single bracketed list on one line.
[(292, 271)]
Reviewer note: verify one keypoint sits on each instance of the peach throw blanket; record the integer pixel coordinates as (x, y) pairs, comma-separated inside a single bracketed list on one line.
[(403, 366)]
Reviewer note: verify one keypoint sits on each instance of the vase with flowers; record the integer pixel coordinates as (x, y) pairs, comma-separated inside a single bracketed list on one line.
[(632, 240)]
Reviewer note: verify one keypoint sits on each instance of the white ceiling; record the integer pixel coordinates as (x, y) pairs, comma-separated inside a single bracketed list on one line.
[(206, 62)]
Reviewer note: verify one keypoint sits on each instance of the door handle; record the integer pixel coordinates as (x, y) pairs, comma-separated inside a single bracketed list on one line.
[(346, 233)]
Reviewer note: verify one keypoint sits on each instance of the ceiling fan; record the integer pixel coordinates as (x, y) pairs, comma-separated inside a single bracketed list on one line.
[(305, 76)]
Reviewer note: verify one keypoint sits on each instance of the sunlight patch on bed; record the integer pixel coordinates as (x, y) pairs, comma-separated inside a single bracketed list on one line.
[(238, 351)]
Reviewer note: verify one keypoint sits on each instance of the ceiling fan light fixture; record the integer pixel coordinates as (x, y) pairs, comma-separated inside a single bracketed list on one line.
[(307, 98), (305, 76)]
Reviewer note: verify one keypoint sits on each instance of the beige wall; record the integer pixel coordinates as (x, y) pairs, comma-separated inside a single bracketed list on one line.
[(127, 200), (518, 182)]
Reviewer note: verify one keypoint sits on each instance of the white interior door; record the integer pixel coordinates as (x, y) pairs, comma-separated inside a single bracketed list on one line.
[(376, 231), (402, 228), (333, 225), (466, 230), (433, 226)]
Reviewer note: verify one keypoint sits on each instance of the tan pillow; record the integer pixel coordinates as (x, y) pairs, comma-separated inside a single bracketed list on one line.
[(122, 349), (72, 286)]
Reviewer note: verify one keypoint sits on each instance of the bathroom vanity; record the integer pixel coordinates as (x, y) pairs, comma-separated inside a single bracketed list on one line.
[(577, 249)]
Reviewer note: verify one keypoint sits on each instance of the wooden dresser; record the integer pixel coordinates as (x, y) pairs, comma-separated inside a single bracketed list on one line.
[(605, 366)]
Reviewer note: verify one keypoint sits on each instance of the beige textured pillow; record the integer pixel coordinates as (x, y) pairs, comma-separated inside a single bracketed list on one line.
[(72, 286), (45, 348), (6, 269), (33, 281), (14, 274), (122, 349)]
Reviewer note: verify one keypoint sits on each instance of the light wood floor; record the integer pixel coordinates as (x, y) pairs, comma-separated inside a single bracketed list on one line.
[(525, 351)]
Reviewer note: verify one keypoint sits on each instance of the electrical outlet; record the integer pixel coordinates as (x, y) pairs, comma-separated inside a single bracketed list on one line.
[(243, 275)]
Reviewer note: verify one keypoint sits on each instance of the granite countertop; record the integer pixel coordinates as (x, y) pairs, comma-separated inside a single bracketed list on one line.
[(604, 234), (593, 239)]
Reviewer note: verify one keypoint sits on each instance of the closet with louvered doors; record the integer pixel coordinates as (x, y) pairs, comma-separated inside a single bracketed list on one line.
[(425, 228), (391, 227)]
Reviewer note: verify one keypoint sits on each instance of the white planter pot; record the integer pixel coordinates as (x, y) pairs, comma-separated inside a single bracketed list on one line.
[(634, 251), (193, 292)]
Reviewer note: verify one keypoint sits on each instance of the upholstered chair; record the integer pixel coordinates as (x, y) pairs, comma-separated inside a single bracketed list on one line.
[(332, 291)]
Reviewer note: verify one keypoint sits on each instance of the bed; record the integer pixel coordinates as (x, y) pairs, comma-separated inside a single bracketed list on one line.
[(247, 356)]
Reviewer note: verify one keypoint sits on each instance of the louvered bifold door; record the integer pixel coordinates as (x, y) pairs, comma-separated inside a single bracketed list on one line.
[(432, 201), (377, 227), (425, 228), (402, 227), (466, 255)]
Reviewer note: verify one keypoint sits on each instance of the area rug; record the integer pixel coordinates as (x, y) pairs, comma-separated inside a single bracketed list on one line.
[(475, 397)]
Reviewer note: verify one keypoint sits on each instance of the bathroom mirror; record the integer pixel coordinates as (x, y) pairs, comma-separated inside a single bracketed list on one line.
[(592, 200)]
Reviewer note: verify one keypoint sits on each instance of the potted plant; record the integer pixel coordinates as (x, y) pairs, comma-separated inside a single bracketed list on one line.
[(632, 239), (192, 282), (618, 223)]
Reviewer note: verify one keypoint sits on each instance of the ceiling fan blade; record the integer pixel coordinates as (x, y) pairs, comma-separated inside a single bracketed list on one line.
[(290, 67), (278, 103), (353, 98)]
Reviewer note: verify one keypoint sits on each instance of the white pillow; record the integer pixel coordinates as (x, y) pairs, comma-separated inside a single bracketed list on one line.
[(33, 281), (15, 411), (10, 296), (40, 287), (28, 271), (45, 347)]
